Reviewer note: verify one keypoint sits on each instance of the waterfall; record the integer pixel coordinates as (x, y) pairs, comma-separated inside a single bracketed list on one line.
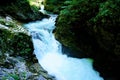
[(42, 9), (48, 52)]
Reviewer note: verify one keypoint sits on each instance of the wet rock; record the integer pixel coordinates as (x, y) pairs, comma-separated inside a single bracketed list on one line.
[(94, 31), (41, 78), (16, 53), (22, 71)]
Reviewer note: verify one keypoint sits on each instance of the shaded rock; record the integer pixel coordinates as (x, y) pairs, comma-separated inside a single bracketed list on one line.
[(21, 10), (93, 29), (38, 70), (72, 53)]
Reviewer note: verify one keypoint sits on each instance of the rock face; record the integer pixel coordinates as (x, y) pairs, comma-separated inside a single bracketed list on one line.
[(21, 10), (16, 53), (93, 28)]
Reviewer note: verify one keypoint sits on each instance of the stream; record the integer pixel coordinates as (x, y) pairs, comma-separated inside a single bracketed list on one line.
[(49, 54)]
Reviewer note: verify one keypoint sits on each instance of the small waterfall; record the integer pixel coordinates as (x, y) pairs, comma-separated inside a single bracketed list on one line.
[(49, 55), (42, 9)]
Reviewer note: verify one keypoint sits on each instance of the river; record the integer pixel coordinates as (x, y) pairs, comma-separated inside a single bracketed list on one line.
[(48, 52)]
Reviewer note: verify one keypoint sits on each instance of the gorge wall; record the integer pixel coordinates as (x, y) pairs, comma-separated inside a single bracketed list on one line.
[(92, 27)]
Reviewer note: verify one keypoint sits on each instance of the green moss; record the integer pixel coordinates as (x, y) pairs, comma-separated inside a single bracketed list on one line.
[(17, 43)]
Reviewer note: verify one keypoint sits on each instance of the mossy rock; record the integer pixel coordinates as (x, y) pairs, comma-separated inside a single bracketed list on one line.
[(93, 28), (16, 43)]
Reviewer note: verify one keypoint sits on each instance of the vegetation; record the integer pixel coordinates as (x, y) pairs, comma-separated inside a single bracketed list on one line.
[(93, 20), (73, 21), (12, 76), (93, 28), (54, 5)]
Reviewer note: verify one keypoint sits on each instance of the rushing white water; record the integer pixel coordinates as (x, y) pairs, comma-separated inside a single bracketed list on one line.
[(42, 9), (49, 55)]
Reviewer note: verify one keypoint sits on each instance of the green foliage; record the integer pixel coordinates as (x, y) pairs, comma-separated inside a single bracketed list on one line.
[(34, 8), (14, 76), (83, 20), (2, 21), (54, 5), (109, 8), (106, 25)]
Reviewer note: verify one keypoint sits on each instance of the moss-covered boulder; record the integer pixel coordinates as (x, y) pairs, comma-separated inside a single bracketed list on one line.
[(93, 28), (15, 39), (17, 61), (21, 10), (72, 24)]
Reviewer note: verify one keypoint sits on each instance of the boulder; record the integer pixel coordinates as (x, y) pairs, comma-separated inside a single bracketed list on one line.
[(16, 53), (93, 29)]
